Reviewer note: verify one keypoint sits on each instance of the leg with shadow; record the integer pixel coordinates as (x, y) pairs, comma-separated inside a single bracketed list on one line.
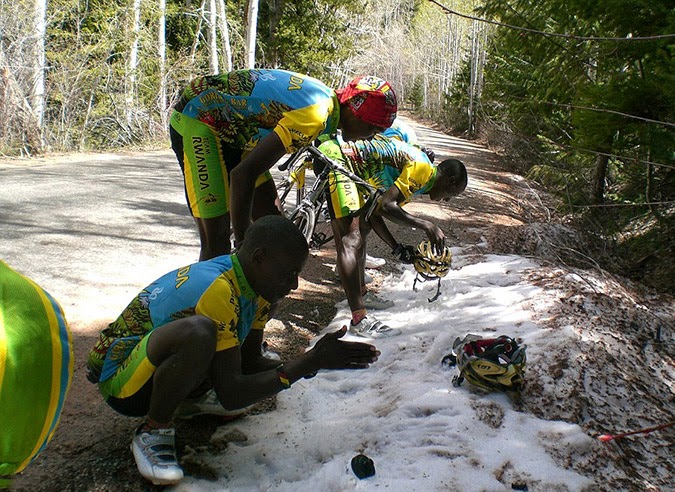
[(350, 250), (214, 236), (350, 241), (182, 352)]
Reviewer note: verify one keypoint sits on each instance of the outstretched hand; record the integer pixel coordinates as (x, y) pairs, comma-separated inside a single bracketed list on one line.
[(333, 353)]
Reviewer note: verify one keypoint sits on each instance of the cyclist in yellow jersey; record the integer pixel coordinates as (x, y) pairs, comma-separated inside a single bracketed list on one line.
[(404, 171), (398, 130), (36, 370), (189, 343), (405, 133), (228, 130)]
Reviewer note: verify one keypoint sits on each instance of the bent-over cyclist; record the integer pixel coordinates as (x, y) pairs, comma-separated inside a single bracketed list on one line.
[(228, 130), (404, 171)]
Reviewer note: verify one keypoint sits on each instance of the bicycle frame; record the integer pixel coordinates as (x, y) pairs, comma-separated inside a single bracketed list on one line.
[(308, 210), (331, 165), (295, 178)]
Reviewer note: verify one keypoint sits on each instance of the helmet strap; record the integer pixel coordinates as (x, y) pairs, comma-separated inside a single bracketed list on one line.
[(424, 278)]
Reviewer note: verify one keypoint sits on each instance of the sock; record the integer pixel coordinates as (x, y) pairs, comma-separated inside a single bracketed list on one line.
[(151, 424), (357, 316)]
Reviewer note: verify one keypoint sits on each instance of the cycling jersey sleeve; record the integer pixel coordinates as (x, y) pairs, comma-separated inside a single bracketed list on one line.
[(300, 127), (220, 304), (416, 177)]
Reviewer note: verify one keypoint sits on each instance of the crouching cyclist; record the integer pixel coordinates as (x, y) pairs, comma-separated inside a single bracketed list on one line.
[(201, 327)]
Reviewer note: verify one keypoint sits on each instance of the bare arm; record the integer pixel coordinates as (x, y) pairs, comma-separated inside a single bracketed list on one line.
[(242, 181), (252, 360), (389, 207), (236, 390), (381, 229)]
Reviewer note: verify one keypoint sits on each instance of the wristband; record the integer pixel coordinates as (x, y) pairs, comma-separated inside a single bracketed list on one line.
[(283, 377)]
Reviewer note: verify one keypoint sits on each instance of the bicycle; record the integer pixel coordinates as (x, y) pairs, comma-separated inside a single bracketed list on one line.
[(310, 212), (295, 179)]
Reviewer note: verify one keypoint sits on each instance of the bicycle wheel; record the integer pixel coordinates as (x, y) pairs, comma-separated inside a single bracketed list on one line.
[(291, 188), (323, 232), (305, 219)]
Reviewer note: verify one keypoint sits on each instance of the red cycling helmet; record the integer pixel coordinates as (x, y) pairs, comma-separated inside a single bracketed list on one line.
[(371, 99)]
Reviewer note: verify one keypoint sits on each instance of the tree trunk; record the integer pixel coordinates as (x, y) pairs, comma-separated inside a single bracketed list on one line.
[(195, 44), (649, 187), (37, 96), (133, 62), (251, 31), (213, 38), (478, 40), (276, 10), (225, 34), (599, 177), (161, 48), (472, 79)]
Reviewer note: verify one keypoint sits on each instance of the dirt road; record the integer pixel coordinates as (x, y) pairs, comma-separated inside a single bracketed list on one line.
[(92, 230)]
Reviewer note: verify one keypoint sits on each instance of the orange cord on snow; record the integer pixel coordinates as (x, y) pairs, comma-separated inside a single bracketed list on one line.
[(610, 437)]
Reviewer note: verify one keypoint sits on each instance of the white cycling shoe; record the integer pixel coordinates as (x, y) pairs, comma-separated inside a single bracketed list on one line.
[(155, 455), (373, 301), (374, 262), (372, 328)]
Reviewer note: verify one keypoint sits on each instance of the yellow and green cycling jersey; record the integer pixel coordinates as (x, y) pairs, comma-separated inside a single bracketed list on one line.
[(216, 289), (220, 118), (243, 106), (385, 162)]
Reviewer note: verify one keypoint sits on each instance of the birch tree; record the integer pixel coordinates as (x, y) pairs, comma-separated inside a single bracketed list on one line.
[(37, 96), (212, 37), (133, 61), (251, 32), (22, 89), (478, 40), (225, 34), (195, 43), (161, 49)]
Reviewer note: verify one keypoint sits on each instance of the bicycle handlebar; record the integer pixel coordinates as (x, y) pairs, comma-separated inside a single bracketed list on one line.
[(284, 165), (330, 163), (327, 161)]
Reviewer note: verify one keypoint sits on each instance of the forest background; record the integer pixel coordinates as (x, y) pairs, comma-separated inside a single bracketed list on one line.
[(577, 95)]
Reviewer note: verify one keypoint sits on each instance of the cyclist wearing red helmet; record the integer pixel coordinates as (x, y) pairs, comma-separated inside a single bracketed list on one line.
[(228, 130)]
